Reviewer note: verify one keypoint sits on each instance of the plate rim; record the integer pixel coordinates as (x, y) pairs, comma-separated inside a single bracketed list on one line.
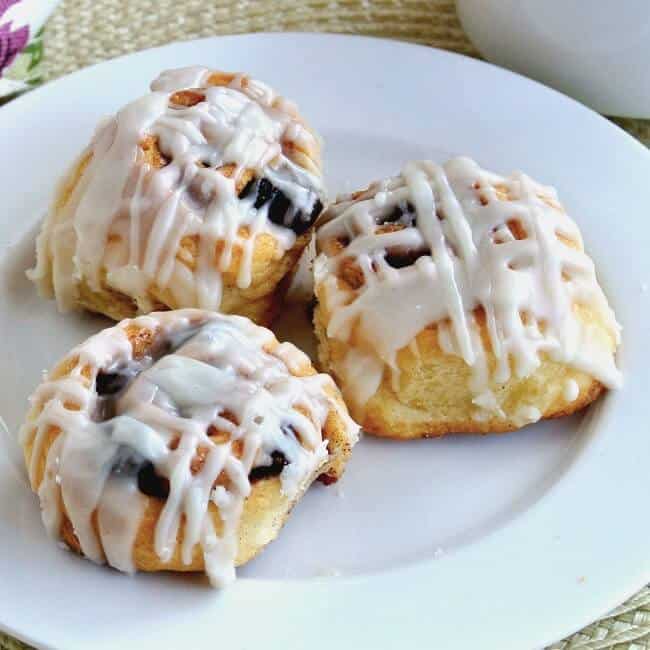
[(334, 35)]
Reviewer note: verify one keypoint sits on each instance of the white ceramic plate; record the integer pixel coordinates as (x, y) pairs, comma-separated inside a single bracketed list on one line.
[(498, 542)]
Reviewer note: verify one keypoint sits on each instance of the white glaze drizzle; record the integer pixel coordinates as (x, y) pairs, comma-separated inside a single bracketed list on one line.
[(124, 221), (222, 370), (469, 258)]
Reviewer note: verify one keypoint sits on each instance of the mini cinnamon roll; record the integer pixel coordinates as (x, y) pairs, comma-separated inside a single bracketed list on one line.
[(200, 194), (451, 299), (180, 441)]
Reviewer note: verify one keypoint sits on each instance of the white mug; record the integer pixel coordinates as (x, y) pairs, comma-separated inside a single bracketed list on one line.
[(21, 48), (597, 51)]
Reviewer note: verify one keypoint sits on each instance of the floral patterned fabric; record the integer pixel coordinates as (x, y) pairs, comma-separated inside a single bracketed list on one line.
[(12, 40), (21, 53)]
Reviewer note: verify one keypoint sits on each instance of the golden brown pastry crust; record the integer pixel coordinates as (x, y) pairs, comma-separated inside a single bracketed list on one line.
[(434, 398)]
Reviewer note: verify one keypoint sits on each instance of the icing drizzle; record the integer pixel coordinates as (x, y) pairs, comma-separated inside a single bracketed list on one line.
[(211, 407), (233, 161), (448, 245)]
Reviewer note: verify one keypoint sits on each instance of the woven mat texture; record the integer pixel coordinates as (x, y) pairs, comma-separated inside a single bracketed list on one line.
[(83, 32)]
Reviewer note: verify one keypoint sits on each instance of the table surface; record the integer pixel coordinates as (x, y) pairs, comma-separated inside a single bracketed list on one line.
[(83, 32)]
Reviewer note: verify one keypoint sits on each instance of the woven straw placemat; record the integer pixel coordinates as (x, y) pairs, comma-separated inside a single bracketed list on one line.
[(82, 32)]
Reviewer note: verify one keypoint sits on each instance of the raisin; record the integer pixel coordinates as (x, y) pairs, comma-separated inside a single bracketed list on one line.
[(403, 212), (316, 210), (110, 383), (265, 191), (399, 258), (279, 207), (278, 463), (152, 484), (299, 224), (129, 463)]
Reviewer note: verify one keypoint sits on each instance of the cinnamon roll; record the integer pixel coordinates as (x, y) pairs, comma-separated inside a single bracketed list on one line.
[(201, 193), (180, 441), (453, 299)]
